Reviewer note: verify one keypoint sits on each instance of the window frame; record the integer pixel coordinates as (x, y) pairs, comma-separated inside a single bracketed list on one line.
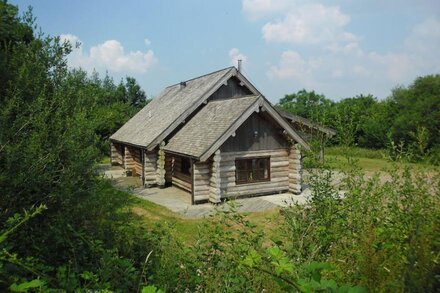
[(252, 170)]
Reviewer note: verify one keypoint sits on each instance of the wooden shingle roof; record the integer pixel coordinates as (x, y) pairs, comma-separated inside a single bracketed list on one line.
[(207, 126), (217, 121), (160, 117)]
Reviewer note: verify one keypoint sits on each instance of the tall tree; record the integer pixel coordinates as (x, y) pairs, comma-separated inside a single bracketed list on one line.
[(311, 105), (135, 95), (418, 107), (349, 116)]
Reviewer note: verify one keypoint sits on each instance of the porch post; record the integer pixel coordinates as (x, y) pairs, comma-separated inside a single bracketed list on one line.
[(215, 194), (161, 166), (295, 170)]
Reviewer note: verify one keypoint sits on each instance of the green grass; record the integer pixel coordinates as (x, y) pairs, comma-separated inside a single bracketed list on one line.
[(186, 229), (356, 152), (105, 160), (368, 160), (152, 214)]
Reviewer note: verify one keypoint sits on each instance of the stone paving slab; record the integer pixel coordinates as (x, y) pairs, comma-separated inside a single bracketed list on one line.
[(179, 201)]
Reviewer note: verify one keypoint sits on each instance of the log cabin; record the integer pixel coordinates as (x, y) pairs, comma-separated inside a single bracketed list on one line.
[(215, 136)]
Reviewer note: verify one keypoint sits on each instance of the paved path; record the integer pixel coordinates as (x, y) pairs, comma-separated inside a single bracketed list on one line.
[(179, 201)]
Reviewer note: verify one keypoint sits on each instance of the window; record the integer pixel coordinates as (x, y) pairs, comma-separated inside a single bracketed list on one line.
[(252, 170), (186, 166)]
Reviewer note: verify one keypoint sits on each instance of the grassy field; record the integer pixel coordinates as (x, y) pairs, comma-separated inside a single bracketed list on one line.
[(368, 160), (187, 229)]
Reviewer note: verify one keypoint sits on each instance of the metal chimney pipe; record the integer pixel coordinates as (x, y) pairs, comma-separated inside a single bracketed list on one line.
[(239, 65)]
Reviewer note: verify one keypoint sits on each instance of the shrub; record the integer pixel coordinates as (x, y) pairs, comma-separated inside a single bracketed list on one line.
[(382, 235)]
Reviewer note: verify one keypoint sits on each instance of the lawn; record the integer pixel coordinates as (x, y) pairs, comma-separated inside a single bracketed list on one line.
[(340, 158), (152, 214), (187, 229)]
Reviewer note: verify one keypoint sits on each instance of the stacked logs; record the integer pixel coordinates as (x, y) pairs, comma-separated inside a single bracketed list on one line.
[(201, 183), (150, 166), (295, 171)]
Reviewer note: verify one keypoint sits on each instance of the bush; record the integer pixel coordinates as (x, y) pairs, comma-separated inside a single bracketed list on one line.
[(214, 262), (383, 236)]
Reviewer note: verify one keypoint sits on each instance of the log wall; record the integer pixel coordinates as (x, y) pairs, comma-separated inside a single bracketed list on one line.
[(215, 194), (201, 181), (116, 154), (136, 155), (150, 166), (128, 159), (295, 173), (223, 177)]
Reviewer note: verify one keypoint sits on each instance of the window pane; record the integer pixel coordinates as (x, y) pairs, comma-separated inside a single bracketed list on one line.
[(240, 164), (242, 176), (261, 163), (259, 174), (252, 170)]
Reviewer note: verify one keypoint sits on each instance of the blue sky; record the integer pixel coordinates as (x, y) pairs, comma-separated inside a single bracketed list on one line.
[(337, 48)]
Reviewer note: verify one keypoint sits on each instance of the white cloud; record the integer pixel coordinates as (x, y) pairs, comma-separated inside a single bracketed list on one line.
[(319, 52), (396, 67), (110, 56), (309, 24), (362, 72), (419, 55), (235, 55), (347, 48), (291, 65), (147, 42), (259, 8), (72, 39), (423, 44)]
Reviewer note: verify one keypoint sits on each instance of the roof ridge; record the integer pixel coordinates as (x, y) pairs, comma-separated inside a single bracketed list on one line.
[(230, 67)]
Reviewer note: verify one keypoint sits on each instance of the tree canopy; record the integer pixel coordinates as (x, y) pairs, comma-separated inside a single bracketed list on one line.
[(410, 116)]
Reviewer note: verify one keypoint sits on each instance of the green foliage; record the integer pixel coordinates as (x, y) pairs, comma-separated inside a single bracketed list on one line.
[(54, 127), (53, 124), (349, 118), (380, 235), (214, 262), (418, 106), (151, 289), (26, 286), (307, 104), (356, 152), (407, 123)]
